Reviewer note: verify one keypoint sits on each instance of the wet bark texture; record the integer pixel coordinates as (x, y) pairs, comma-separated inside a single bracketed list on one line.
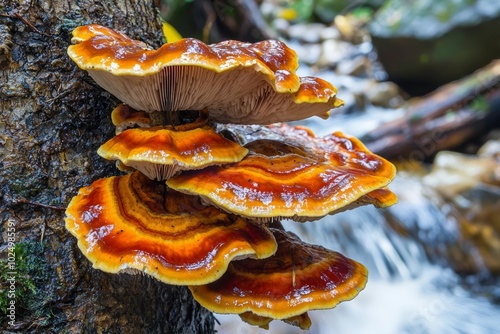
[(53, 117)]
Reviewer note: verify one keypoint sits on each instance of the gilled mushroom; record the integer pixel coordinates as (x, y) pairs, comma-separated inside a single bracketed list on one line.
[(124, 117), (160, 152), (301, 177), (131, 222), (135, 224), (298, 278), (237, 82)]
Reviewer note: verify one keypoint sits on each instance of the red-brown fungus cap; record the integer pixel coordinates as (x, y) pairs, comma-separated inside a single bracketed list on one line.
[(237, 82), (160, 153), (300, 177), (131, 222), (298, 278)]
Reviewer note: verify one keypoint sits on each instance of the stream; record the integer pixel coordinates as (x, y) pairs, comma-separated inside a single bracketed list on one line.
[(409, 290), (425, 275)]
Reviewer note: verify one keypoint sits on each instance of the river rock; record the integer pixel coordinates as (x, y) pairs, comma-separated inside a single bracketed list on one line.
[(329, 33), (358, 66), (306, 32), (490, 149), (479, 218), (333, 51), (307, 53), (473, 201), (425, 44), (281, 25), (384, 94), (453, 173)]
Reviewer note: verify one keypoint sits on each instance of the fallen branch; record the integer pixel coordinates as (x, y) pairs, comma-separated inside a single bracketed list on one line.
[(443, 119)]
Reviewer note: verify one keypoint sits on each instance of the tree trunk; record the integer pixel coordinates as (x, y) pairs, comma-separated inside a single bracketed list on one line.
[(53, 119)]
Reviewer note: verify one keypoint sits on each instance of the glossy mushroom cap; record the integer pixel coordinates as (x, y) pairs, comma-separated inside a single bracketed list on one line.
[(298, 278), (301, 177), (131, 222), (161, 152), (237, 82)]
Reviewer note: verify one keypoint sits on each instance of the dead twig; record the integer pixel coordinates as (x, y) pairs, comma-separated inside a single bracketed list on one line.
[(25, 201), (28, 23), (43, 232)]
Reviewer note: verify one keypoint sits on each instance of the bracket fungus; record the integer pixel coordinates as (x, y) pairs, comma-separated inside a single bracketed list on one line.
[(237, 82), (131, 222), (124, 117), (161, 152), (206, 226), (301, 177), (298, 278)]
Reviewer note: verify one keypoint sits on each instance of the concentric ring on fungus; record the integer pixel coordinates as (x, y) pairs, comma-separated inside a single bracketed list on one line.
[(300, 277), (131, 222), (161, 152), (299, 176)]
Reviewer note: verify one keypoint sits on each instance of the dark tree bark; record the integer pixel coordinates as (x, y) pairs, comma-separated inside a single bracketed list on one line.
[(53, 117)]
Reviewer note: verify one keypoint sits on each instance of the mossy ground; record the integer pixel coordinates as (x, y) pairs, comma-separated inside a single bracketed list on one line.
[(31, 275)]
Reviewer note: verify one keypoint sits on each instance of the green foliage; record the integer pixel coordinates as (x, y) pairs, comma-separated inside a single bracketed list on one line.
[(326, 10), (480, 104), (363, 13), (30, 274), (174, 8), (179, 14), (304, 9)]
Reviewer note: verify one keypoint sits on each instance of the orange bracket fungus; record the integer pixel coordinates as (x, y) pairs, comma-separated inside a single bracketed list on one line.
[(298, 278), (161, 152), (204, 221), (298, 177), (131, 222), (237, 82), (124, 117)]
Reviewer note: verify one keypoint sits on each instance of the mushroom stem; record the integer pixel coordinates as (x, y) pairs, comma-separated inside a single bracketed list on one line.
[(165, 189), (173, 118), (159, 118), (191, 119), (179, 120), (275, 223)]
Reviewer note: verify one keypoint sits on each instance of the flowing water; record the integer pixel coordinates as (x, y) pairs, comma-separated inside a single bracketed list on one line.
[(410, 289), (412, 250)]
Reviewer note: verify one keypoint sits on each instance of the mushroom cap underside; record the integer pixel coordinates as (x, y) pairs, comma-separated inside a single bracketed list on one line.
[(237, 82)]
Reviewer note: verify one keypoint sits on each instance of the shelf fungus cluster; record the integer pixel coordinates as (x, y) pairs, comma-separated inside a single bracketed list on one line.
[(209, 177)]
